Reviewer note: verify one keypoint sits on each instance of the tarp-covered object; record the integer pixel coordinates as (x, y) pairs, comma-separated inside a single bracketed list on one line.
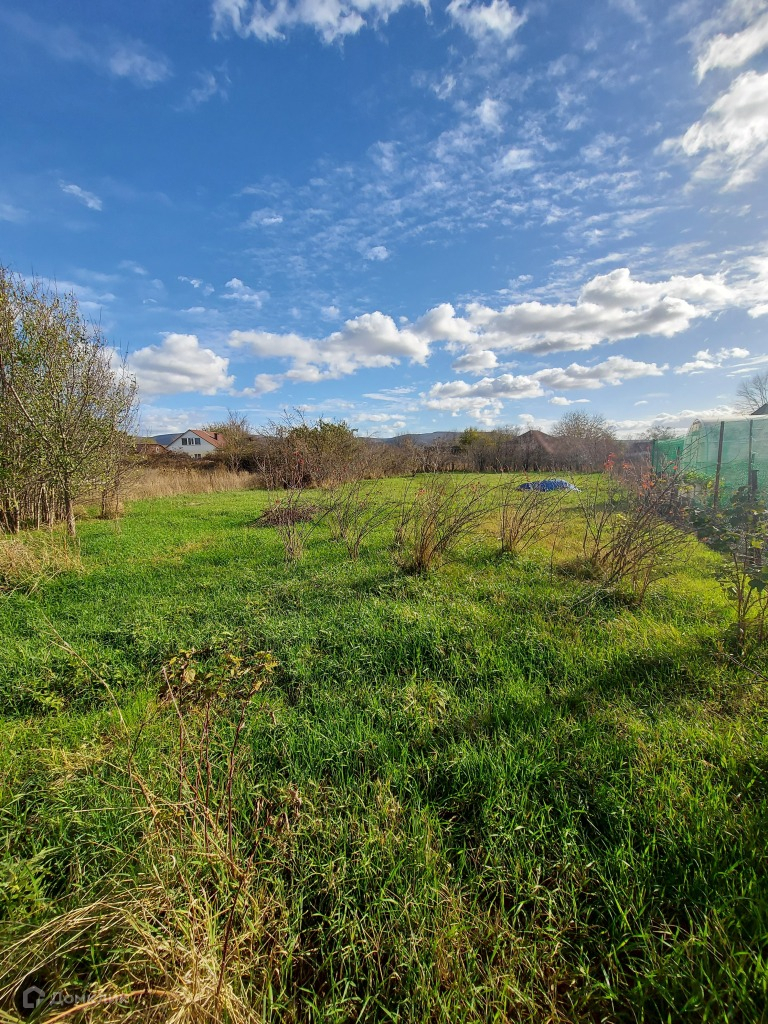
[(547, 485)]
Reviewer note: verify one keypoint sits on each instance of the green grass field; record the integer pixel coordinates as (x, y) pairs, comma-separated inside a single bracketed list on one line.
[(468, 795)]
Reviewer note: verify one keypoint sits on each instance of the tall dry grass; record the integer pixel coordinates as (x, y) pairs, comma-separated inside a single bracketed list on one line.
[(29, 560), (149, 482)]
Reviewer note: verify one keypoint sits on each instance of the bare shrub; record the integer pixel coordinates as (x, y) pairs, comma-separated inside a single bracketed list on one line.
[(526, 516), (294, 519), (434, 516), (629, 538), (354, 511)]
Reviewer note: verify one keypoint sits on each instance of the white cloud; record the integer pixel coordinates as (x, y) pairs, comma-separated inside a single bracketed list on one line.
[(86, 198), (210, 84), (141, 68), (477, 361), (372, 340), (377, 253), (678, 421), (498, 19), (516, 159), (611, 307), (12, 214), (243, 293), (733, 51), (706, 360), (331, 19), (196, 282), (126, 58), (731, 139), (488, 394), (264, 219), (560, 400), (489, 113), (180, 364)]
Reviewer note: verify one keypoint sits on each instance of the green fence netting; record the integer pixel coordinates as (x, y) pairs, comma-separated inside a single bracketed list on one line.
[(719, 456)]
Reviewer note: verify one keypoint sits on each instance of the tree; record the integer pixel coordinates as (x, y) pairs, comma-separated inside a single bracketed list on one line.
[(68, 405), (753, 392), (587, 440), (238, 442), (658, 432), (296, 454)]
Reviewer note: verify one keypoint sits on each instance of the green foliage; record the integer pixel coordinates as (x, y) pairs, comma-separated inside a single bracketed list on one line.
[(455, 797), (738, 531)]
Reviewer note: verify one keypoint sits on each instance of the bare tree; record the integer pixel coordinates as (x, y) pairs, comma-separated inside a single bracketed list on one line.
[(752, 393), (238, 446), (587, 440)]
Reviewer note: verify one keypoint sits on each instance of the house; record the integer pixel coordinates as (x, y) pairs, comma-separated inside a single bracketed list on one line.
[(194, 443)]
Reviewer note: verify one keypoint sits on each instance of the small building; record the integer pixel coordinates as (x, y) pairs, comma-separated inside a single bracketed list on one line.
[(194, 443)]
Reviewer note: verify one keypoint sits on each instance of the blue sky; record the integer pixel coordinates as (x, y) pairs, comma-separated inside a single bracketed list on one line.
[(411, 217)]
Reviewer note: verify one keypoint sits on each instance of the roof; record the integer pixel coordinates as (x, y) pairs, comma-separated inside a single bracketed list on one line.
[(216, 441)]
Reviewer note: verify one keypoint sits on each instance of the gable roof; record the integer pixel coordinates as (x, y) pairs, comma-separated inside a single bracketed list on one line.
[(215, 439), (165, 439)]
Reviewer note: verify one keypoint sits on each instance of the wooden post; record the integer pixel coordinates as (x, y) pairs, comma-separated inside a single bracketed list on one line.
[(751, 474), (716, 498)]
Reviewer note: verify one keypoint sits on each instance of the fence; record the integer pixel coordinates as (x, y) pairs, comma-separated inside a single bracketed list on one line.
[(718, 456)]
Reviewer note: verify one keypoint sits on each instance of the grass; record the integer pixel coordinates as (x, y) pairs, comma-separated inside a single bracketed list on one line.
[(233, 788), (171, 481)]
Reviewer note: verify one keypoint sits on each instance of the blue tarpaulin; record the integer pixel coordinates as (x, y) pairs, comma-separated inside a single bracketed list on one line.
[(547, 485)]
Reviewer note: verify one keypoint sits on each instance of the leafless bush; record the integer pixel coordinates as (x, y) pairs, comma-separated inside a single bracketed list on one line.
[(434, 516), (628, 537), (354, 511), (294, 519), (526, 516)]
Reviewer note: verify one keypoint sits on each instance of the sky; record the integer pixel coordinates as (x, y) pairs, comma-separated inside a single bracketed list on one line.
[(405, 215)]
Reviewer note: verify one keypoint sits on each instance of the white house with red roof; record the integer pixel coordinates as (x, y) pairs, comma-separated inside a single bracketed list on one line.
[(194, 443)]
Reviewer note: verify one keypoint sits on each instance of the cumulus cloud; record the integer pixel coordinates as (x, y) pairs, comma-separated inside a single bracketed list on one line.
[(240, 292), (477, 361), (368, 341), (496, 20), (611, 307), (180, 364), (706, 360), (733, 51), (86, 198), (731, 139), (488, 395), (331, 19)]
